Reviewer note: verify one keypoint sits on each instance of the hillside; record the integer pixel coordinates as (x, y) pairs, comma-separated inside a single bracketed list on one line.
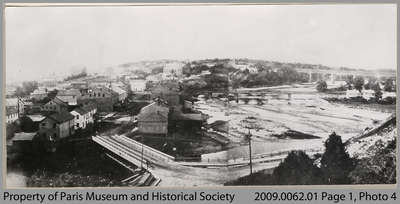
[(373, 139), (375, 152)]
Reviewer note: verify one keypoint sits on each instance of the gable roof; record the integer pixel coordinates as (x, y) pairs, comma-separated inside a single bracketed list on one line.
[(11, 110), (154, 117), (118, 90), (80, 110), (58, 101), (69, 92), (154, 107), (36, 118), (61, 117)]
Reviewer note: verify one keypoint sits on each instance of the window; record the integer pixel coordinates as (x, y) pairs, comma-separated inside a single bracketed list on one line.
[(77, 125), (104, 95), (43, 124), (77, 117), (98, 94), (90, 95)]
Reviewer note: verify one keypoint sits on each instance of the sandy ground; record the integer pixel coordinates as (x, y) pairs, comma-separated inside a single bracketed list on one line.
[(306, 112)]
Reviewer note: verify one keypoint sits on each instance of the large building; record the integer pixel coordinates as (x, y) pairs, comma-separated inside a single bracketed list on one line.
[(137, 85), (102, 96), (55, 105), (11, 115), (169, 92), (153, 119), (172, 70), (69, 96), (83, 116), (57, 126)]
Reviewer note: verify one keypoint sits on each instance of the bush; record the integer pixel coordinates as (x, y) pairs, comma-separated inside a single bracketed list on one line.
[(321, 86)]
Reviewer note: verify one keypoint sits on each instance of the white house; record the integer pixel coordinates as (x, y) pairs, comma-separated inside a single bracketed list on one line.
[(83, 116), (368, 94), (173, 68), (122, 94), (353, 93), (137, 85), (11, 115), (386, 94)]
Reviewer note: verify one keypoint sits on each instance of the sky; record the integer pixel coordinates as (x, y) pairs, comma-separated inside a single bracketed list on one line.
[(44, 40)]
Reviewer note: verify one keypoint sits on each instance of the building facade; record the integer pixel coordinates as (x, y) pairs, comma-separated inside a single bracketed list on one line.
[(55, 105), (153, 119), (57, 126)]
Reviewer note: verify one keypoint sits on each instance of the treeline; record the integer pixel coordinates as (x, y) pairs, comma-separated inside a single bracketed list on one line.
[(266, 76), (334, 166), (27, 88)]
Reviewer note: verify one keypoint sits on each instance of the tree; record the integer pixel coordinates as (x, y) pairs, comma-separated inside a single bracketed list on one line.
[(27, 88), (359, 83), (377, 90), (322, 86), (297, 169), (389, 85), (27, 125), (371, 82), (349, 81), (335, 162)]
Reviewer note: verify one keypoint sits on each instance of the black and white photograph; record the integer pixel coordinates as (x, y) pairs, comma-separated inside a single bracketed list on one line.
[(200, 95)]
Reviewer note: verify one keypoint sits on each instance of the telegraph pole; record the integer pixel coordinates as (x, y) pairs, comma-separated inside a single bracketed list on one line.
[(248, 136), (141, 160)]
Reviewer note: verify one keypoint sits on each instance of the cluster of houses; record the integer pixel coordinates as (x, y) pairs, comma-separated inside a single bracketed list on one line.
[(168, 110), (53, 115), (368, 94), (61, 110)]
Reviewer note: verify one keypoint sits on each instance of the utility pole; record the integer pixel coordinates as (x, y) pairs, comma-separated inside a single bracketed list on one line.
[(250, 123), (141, 160), (248, 136)]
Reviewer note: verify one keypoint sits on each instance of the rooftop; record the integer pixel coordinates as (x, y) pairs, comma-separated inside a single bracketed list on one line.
[(24, 136)]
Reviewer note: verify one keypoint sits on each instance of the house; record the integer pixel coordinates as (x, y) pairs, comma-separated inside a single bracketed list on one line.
[(121, 93), (69, 96), (103, 97), (55, 105), (153, 118), (368, 94), (83, 116), (38, 94), (353, 93), (168, 92), (137, 85), (173, 69), (57, 126), (17, 103), (31, 123), (11, 115), (386, 94), (22, 141)]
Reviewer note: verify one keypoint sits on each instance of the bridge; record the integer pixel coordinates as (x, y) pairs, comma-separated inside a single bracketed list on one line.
[(132, 151), (140, 154), (334, 74)]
